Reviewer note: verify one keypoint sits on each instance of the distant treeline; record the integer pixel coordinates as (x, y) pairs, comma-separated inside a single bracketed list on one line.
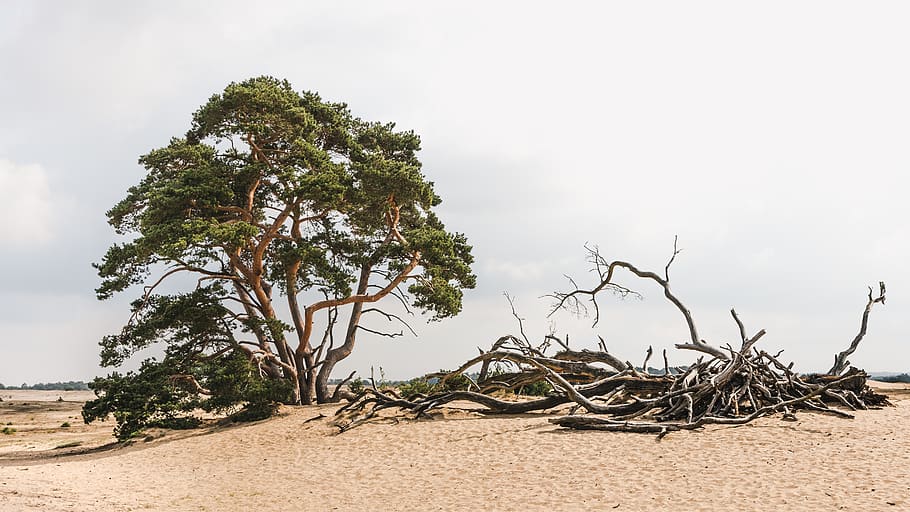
[(894, 378), (71, 385)]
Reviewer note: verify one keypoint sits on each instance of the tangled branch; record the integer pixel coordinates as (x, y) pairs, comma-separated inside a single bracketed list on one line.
[(727, 386)]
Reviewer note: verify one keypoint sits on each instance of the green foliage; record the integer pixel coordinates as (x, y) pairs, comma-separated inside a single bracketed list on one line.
[(321, 159), (356, 386), (427, 386), (270, 192), (143, 399), (457, 382), (65, 424), (193, 321), (539, 388), (414, 387), (255, 411), (8, 431), (159, 395), (233, 382)]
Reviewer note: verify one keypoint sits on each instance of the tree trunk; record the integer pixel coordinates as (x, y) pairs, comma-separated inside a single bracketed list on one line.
[(337, 354), (334, 357), (306, 379)]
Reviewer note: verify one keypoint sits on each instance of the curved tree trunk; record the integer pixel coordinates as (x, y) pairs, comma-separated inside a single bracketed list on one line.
[(337, 354)]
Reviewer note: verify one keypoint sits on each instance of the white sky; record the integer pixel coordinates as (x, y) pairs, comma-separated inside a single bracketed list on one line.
[(771, 137)]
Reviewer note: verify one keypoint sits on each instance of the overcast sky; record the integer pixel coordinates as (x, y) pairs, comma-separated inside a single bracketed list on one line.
[(772, 138)]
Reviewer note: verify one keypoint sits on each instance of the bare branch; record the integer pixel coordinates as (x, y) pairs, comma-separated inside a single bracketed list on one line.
[(521, 327), (672, 258), (731, 387), (557, 340), (390, 317), (644, 365), (380, 333), (328, 336), (840, 361), (402, 299), (189, 379), (310, 310), (339, 389), (739, 323)]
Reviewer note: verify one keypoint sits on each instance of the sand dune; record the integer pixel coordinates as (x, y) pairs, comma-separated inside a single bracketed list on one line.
[(464, 461)]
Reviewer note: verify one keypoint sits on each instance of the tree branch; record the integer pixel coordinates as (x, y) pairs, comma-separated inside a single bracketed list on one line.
[(840, 361), (380, 333), (390, 317)]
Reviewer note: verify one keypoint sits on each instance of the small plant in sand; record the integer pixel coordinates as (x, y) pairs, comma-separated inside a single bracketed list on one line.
[(426, 385), (8, 430), (356, 385)]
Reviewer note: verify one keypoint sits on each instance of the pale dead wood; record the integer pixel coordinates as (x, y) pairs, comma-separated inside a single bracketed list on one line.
[(840, 361), (727, 387)]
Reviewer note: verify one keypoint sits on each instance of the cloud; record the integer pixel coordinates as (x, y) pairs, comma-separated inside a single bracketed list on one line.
[(516, 270), (779, 161), (26, 208), (64, 342)]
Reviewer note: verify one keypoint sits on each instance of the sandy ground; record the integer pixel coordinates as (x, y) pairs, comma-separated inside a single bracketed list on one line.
[(462, 461)]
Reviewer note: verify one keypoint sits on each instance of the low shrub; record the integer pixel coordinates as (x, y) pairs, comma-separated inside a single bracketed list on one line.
[(356, 386), (539, 388), (153, 397), (414, 387)]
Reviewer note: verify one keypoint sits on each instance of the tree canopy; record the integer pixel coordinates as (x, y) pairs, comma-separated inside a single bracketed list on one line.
[(280, 206)]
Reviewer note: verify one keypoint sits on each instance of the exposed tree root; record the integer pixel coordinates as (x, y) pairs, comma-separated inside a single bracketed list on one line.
[(730, 387)]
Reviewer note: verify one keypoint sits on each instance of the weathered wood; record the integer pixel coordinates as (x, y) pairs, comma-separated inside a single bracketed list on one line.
[(724, 386), (840, 360)]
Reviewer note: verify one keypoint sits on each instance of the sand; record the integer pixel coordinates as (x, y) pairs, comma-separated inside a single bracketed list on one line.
[(461, 461)]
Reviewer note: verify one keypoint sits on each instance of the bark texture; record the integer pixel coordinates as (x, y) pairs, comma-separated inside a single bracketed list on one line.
[(726, 385)]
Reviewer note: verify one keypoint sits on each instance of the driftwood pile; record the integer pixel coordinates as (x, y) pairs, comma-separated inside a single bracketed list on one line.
[(726, 385)]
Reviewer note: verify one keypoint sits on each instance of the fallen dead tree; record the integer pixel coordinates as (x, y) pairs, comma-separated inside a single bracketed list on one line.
[(725, 385)]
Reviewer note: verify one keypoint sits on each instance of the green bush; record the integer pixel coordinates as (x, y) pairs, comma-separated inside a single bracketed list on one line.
[(455, 382), (234, 383), (142, 399), (426, 386), (539, 388), (255, 412), (414, 387), (153, 397), (356, 386)]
